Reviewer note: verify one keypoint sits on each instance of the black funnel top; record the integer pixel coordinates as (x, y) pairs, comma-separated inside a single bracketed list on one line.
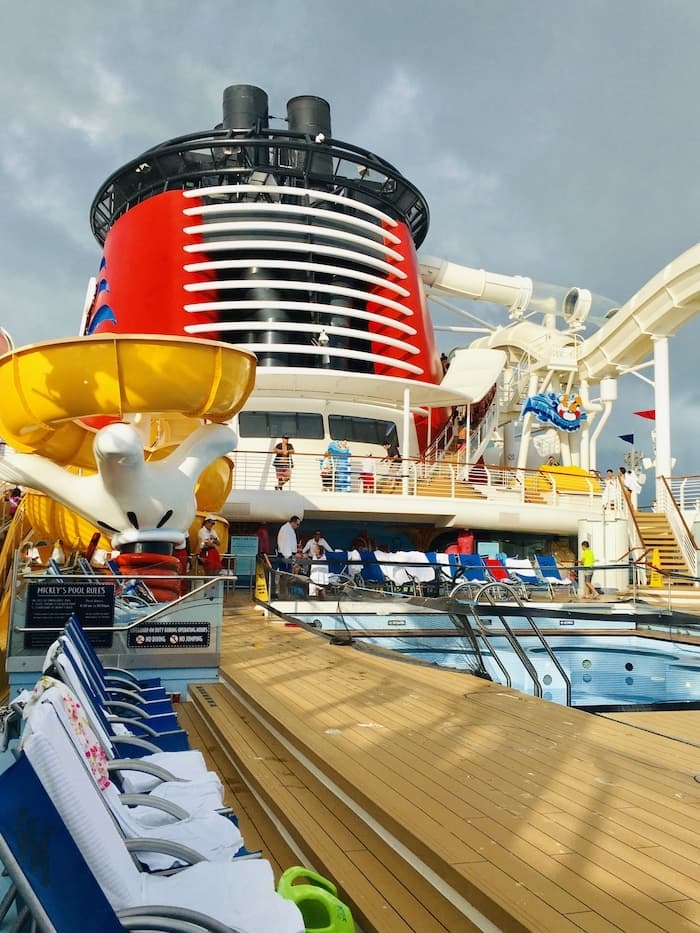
[(245, 107)]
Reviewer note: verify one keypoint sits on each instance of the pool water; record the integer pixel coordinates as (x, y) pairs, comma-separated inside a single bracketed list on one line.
[(622, 669), (607, 670)]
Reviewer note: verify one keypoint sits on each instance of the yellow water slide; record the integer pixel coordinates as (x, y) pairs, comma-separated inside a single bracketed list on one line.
[(56, 396), (51, 390)]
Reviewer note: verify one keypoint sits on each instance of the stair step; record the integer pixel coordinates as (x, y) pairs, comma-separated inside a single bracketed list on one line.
[(326, 829)]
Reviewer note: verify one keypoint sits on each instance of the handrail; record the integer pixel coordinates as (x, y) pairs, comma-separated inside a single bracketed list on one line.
[(681, 532), (510, 636), (490, 590), (161, 610), (254, 472)]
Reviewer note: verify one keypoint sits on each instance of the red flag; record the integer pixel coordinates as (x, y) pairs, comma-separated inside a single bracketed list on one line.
[(650, 414)]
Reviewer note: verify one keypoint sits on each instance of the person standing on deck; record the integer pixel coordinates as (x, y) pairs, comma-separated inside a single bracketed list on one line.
[(631, 484), (393, 459), (315, 542), (287, 542), (283, 461), (209, 546), (466, 542), (287, 545), (610, 490), (587, 560), (263, 536)]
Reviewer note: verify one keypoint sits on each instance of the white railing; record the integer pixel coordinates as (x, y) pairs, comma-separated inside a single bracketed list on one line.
[(254, 470), (667, 504), (685, 491)]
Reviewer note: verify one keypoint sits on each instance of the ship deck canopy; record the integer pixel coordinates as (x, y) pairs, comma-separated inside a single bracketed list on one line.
[(470, 376)]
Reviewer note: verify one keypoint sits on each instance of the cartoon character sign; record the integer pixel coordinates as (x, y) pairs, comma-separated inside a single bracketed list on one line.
[(563, 411)]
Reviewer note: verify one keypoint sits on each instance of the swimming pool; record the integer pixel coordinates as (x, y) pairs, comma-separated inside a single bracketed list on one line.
[(617, 669), (614, 670)]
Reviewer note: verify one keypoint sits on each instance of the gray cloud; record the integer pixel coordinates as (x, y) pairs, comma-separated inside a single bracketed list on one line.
[(556, 139)]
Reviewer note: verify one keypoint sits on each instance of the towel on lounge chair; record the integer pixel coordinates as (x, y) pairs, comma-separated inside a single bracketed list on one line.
[(191, 787), (240, 894), (211, 835)]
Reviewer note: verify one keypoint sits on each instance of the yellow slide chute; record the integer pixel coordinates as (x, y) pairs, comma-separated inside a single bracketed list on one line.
[(49, 388), (166, 385)]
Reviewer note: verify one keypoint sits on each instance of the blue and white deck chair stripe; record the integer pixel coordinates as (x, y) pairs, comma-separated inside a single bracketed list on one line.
[(522, 570), (240, 894), (51, 876), (338, 571), (204, 832), (474, 569), (549, 568), (112, 678), (171, 740), (371, 573), (156, 709), (53, 880)]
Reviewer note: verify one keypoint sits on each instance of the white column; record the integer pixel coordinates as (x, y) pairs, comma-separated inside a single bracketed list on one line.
[(406, 435), (662, 399)]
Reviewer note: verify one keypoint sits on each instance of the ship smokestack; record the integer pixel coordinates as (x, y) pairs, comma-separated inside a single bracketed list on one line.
[(312, 116), (245, 108), (309, 115)]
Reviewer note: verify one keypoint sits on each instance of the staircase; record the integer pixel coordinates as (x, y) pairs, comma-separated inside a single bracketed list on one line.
[(655, 532)]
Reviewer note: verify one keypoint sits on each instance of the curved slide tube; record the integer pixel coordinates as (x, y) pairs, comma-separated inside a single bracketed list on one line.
[(53, 386)]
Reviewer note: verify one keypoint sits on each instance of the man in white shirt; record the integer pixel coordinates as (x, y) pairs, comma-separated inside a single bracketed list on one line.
[(286, 550), (316, 542), (287, 538), (631, 483)]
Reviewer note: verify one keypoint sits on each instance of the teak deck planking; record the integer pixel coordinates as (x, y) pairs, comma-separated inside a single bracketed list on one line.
[(541, 817)]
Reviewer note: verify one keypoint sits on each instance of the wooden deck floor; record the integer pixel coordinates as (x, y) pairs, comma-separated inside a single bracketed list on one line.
[(523, 815)]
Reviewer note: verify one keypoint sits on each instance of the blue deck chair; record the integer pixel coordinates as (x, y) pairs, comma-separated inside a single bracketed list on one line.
[(155, 703), (52, 878), (523, 570), (445, 570), (201, 831), (338, 570), (113, 677), (160, 731), (549, 568), (174, 775), (474, 568), (469, 572), (42, 860), (240, 894), (371, 573)]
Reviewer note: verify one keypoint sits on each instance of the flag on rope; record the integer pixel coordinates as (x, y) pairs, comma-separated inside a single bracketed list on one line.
[(650, 414), (627, 438)]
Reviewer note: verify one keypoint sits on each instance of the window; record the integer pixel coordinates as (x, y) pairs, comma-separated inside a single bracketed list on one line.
[(362, 430), (280, 424)]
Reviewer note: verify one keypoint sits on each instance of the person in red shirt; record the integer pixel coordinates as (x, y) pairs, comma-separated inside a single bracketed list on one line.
[(466, 542), (263, 536)]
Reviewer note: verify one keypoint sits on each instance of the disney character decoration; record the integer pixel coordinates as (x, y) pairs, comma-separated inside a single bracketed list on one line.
[(563, 411)]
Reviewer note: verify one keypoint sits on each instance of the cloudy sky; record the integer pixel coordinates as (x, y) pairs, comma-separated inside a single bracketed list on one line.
[(552, 138)]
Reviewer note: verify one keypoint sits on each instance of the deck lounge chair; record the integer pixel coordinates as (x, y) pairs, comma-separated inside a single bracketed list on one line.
[(239, 893), (549, 568), (113, 677), (207, 833), (471, 572), (116, 730), (181, 777), (157, 712), (445, 570), (523, 570), (499, 573), (115, 682), (371, 571), (44, 864)]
